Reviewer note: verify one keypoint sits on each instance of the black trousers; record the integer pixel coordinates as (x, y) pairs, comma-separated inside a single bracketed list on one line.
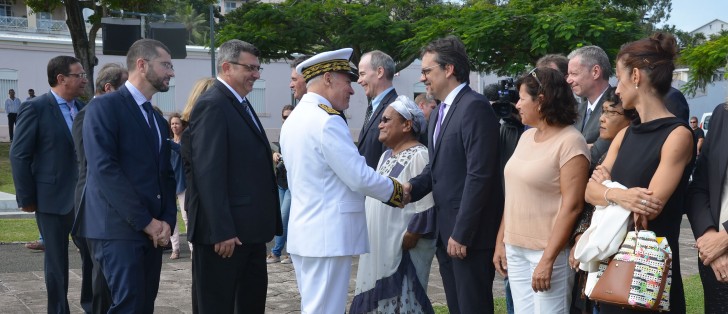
[(468, 282), (12, 117), (95, 294), (237, 284), (715, 293)]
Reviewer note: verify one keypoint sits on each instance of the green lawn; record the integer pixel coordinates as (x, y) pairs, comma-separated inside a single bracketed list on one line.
[(6, 177)]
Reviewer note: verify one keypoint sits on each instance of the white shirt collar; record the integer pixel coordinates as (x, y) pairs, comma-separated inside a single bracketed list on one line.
[(451, 96), (240, 99), (596, 101), (136, 94)]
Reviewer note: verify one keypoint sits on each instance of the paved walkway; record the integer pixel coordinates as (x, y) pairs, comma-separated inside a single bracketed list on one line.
[(22, 289)]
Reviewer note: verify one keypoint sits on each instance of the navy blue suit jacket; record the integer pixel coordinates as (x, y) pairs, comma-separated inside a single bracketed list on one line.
[(464, 172), (43, 158), (369, 145), (127, 182)]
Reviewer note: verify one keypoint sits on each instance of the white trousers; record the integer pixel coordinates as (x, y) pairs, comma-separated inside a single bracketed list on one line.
[(521, 263), (323, 283), (175, 235)]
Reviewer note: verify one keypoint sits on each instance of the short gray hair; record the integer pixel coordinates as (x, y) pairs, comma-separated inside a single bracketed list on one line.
[(230, 51), (381, 59), (591, 56)]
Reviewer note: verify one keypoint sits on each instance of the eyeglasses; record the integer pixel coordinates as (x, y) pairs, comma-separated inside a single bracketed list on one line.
[(612, 113), (533, 73), (427, 70), (165, 64), (385, 120), (78, 75), (285, 117), (250, 67)]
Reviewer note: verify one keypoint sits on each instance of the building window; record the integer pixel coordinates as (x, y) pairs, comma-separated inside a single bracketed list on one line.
[(230, 5), (165, 100), (257, 97), (6, 8), (8, 81)]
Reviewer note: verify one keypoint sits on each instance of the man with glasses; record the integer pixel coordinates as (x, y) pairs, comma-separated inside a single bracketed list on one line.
[(129, 200), (44, 168), (232, 196), (588, 75), (464, 177), (698, 133)]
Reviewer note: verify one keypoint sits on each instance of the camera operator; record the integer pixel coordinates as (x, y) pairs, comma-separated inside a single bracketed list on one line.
[(503, 101)]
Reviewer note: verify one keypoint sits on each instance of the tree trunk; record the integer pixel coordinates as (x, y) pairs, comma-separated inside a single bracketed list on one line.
[(84, 49)]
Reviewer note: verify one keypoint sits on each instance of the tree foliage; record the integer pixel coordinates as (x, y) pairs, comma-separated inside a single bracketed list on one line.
[(500, 36), (704, 60), (83, 39)]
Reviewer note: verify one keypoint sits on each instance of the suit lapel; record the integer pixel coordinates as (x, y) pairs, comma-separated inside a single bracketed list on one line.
[(58, 116), (241, 111), (131, 105), (386, 100), (450, 113)]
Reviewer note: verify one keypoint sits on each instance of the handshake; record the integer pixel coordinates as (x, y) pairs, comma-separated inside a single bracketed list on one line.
[(159, 232), (401, 195)]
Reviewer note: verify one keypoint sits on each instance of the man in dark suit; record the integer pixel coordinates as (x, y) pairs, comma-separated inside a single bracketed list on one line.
[(706, 209), (589, 72), (232, 196), (376, 72), (464, 177), (95, 295), (43, 165), (129, 199)]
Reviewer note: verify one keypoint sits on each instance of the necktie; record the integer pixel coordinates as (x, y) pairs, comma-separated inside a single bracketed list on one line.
[(586, 117), (246, 105), (368, 115), (440, 117), (72, 110), (150, 120)]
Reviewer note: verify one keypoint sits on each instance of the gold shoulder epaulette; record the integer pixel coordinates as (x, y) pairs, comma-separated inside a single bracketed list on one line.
[(329, 110)]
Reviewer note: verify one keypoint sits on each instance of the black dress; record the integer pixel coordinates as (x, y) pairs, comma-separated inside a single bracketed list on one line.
[(636, 163)]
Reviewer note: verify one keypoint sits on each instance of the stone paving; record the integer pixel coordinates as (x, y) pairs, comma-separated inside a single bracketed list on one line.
[(23, 291)]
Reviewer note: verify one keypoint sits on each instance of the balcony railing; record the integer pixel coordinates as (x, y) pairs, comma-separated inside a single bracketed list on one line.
[(20, 24), (13, 22)]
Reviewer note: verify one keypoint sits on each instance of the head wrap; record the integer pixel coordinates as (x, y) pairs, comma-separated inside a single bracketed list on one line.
[(411, 112)]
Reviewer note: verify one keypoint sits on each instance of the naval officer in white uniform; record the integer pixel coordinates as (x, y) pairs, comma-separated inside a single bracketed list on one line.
[(328, 180)]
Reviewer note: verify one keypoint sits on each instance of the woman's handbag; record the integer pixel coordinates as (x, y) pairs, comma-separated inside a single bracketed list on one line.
[(639, 275)]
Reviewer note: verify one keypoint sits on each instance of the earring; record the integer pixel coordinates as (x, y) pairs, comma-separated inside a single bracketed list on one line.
[(636, 86)]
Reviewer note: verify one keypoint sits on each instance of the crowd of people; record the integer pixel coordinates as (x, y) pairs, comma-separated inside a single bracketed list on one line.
[(426, 178)]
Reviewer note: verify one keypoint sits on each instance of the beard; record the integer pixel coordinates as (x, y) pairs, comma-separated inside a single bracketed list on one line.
[(156, 81)]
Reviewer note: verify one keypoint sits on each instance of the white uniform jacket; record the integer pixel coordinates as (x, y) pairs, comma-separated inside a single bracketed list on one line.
[(328, 180)]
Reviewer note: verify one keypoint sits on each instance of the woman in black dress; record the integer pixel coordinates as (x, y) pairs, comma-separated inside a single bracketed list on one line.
[(652, 157)]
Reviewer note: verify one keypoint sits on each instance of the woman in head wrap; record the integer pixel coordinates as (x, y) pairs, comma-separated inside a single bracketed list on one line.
[(392, 278)]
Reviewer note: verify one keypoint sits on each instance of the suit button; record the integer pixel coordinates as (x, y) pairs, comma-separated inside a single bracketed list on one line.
[(159, 197)]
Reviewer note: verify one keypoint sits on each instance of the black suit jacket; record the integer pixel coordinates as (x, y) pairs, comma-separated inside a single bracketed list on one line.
[(704, 193), (77, 132), (42, 157), (464, 172), (590, 129), (231, 187), (369, 145)]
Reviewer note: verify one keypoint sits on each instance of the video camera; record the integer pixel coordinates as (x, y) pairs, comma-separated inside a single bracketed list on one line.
[(507, 97)]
